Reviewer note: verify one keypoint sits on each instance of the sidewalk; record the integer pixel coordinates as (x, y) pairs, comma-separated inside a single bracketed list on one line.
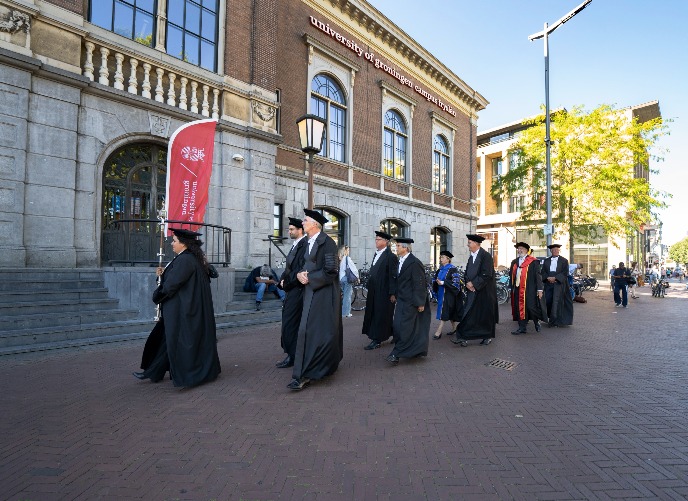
[(595, 411)]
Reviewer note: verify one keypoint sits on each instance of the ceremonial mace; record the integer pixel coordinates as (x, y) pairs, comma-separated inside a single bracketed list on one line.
[(162, 214)]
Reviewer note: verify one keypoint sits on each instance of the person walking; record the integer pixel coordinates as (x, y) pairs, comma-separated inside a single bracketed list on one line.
[(527, 301), (481, 313), (382, 289), (320, 342), (635, 276), (621, 276), (293, 289), (184, 341), (412, 314), (447, 285), (555, 277), (347, 279)]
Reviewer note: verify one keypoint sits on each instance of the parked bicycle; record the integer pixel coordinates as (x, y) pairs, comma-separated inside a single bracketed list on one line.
[(430, 274), (503, 286), (659, 287), (359, 293)]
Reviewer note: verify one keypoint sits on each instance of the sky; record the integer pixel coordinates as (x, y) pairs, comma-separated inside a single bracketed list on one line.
[(618, 52)]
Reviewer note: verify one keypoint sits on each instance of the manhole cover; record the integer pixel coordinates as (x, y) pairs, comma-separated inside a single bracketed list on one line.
[(502, 364)]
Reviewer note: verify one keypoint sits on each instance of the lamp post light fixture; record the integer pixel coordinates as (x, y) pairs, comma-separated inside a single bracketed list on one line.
[(311, 135), (536, 36)]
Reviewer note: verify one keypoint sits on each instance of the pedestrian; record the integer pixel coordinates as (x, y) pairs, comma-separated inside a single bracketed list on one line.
[(527, 301), (611, 277), (382, 289), (293, 289), (265, 279), (635, 279), (412, 313), (184, 341), (621, 276), (348, 277), (319, 346), (555, 272), (480, 313), (447, 285)]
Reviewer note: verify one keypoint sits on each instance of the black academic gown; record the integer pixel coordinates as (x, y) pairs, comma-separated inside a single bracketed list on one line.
[(320, 343), (481, 311), (525, 303), (379, 311), (411, 328), (184, 341), (293, 302), (558, 296)]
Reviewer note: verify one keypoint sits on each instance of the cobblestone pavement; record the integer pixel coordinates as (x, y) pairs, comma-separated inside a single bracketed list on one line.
[(595, 411)]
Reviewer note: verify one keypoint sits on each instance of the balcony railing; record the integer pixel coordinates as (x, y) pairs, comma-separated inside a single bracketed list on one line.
[(118, 69)]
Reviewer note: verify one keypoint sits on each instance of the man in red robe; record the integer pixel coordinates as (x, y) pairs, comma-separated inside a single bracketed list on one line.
[(527, 301)]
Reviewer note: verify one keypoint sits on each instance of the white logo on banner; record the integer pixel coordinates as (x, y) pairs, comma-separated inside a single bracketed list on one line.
[(192, 153)]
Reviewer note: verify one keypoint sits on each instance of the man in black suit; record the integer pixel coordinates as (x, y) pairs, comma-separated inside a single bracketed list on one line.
[(412, 314), (555, 276), (293, 302), (382, 289)]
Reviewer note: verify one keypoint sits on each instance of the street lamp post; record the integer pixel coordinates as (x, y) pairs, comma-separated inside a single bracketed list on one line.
[(311, 135), (548, 166)]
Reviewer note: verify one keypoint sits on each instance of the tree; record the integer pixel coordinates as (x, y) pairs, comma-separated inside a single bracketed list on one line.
[(600, 172), (679, 252)]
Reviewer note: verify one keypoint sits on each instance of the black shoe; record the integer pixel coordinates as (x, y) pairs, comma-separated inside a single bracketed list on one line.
[(373, 345), (139, 375), (257, 305), (392, 359), (515, 333), (438, 336), (537, 327), (461, 342), (287, 362), (299, 384), (486, 341)]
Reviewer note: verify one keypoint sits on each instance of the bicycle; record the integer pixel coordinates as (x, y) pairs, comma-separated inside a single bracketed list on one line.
[(659, 288), (359, 293), (430, 274), (503, 287)]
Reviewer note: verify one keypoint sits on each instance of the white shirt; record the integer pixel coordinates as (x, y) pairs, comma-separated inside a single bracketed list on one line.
[(401, 262), (311, 241), (474, 256), (377, 255), (296, 242), (553, 263)]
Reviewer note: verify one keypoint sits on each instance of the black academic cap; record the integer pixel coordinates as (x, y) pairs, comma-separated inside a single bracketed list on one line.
[(296, 222), (384, 235), (448, 254), (316, 215), (181, 232), (522, 244), (475, 238), (552, 246), (404, 240)]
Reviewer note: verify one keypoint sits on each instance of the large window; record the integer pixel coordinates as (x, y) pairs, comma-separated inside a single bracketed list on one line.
[(394, 228), (327, 101), (440, 165), (396, 136), (192, 31), (335, 225), (438, 243), (133, 19), (277, 216)]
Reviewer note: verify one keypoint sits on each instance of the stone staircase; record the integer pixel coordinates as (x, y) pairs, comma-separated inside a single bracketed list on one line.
[(44, 309)]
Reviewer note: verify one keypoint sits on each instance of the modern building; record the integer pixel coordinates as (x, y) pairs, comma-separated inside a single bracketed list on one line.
[(499, 219), (90, 93)]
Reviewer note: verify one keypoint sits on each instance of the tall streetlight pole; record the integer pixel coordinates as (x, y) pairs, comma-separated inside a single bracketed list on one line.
[(545, 34)]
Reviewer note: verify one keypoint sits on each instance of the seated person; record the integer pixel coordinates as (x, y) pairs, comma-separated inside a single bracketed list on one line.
[(264, 278)]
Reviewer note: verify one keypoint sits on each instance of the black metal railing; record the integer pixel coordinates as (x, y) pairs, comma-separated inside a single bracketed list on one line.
[(136, 242)]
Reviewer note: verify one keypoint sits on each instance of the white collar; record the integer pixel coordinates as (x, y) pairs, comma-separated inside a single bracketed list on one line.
[(310, 239)]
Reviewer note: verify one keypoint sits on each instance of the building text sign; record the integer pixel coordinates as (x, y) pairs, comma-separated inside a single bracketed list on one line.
[(370, 57)]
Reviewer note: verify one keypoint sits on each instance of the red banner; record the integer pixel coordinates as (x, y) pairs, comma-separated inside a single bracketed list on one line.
[(189, 165)]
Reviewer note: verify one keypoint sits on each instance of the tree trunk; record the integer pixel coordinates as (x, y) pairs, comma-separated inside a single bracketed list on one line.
[(570, 207)]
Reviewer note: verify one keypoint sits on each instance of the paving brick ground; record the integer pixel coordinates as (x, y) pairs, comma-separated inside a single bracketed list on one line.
[(595, 411)]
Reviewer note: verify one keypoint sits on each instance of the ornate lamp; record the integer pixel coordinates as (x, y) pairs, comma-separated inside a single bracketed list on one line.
[(311, 135)]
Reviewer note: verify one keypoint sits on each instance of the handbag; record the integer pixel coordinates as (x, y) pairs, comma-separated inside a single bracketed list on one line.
[(632, 281), (350, 275)]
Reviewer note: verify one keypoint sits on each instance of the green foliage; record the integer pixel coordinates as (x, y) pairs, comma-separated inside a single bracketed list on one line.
[(147, 40), (679, 252), (596, 157)]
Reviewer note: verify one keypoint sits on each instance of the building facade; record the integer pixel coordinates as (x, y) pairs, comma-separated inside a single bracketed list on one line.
[(90, 93), (499, 219)]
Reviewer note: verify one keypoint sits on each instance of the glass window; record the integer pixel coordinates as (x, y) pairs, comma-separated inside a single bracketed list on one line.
[(132, 19), (438, 243), (277, 212), (395, 137), (335, 225), (440, 165), (327, 102), (394, 228), (192, 31), (497, 167)]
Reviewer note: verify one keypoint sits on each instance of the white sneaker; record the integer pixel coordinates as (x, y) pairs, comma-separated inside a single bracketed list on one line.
[(618, 305)]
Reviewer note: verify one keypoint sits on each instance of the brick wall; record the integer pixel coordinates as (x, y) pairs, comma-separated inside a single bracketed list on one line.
[(76, 6)]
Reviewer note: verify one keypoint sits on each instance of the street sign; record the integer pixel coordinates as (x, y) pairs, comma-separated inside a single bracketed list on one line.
[(548, 229)]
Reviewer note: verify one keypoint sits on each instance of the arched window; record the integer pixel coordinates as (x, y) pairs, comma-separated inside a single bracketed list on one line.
[(394, 227), (440, 165), (335, 228), (394, 163), (327, 102), (134, 180), (438, 243)]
